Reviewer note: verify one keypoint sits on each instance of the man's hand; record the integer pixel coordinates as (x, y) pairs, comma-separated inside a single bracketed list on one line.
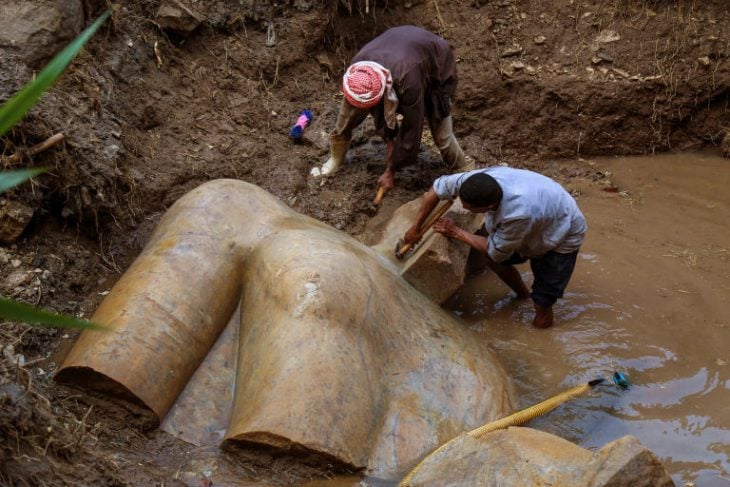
[(412, 236), (415, 233), (387, 180), (447, 228)]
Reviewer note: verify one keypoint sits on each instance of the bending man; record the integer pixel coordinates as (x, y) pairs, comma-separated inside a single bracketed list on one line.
[(528, 216), (405, 70)]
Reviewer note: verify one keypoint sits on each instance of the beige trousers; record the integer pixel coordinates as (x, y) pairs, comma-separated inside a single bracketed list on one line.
[(350, 117), (448, 146)]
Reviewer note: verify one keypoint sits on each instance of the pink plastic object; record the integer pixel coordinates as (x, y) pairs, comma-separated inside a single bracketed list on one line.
[(305, 117)]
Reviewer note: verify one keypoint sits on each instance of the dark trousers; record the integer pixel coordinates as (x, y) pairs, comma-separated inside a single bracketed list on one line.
[(551, 273)]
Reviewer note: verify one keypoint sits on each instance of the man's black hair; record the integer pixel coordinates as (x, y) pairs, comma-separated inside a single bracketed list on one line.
[(480, 190)]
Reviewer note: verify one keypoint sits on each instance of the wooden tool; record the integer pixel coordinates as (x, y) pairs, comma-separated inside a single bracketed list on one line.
[(402, 249), (379, 195)]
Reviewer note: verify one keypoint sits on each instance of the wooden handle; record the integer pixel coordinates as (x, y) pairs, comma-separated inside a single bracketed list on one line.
[(401, 252), (432, 218), (379, 196)]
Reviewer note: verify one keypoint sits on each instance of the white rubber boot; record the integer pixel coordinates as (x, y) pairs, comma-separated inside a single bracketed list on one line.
[(338, 151)]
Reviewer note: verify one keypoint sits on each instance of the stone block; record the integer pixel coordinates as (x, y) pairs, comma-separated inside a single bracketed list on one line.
[(438, 265)]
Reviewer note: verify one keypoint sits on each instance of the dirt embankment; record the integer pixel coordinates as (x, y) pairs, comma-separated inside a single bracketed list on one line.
[(151, 112)]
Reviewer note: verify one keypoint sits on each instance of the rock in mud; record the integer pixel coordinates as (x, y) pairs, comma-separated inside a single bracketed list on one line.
[(513, 50), (14, 218), (608, 36), (725, 145), (35, 31), (176, 16)]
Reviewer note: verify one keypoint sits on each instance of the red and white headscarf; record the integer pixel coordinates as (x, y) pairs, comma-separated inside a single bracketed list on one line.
[(365, 83)]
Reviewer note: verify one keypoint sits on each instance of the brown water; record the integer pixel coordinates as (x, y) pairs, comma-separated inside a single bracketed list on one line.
[(649, 297)]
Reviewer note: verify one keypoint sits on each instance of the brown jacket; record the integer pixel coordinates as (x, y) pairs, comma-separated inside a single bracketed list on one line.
[(424, 78)]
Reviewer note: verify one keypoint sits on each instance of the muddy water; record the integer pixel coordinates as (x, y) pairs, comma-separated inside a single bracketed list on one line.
[(649, 297)]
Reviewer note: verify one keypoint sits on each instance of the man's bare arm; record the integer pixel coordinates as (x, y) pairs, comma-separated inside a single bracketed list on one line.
[(430, 200), (448, 228)]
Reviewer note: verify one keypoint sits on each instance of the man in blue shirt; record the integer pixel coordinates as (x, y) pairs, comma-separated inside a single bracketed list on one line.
[(528, 217)]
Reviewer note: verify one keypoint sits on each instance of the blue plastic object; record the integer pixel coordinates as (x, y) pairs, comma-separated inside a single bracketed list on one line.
[(621, 380)]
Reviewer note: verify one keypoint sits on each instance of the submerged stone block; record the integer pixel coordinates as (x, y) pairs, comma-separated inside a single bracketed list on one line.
[(523, 456), (626, 461)]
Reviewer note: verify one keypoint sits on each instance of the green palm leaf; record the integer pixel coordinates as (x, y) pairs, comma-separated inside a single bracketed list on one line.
[(15, 108), (15, 311), (10, 113), (8, 179)]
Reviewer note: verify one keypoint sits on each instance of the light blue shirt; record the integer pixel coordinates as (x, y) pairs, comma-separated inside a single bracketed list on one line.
[(536, 215)]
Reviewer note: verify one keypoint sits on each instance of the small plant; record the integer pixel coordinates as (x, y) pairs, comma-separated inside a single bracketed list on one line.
[(10, 179), (13, 310), (11, 112)]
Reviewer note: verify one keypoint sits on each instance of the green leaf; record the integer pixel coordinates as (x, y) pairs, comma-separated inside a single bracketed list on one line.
[(9, 179), (16, 311), (15, 108)]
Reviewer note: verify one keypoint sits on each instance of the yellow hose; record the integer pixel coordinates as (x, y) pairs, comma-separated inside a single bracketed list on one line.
[(516, 419), (522, 417)]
